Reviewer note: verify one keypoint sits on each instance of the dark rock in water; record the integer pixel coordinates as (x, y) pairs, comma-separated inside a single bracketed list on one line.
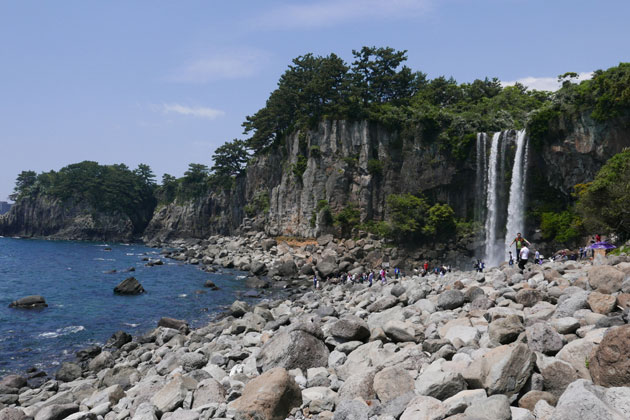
[(210, 284), (68, 372), (107, 249), (151, 263), (177, 324), (29, 302), (129, 270), (251, 294), (257, 283), (110, 272), (129, 286), (258, 268), (118, 339), (88, 353), (13, 381)]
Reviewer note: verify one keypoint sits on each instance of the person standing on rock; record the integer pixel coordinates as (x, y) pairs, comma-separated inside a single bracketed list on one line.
[(520, 242), (315, 281), (511, 260), (426, 267), (536, 257), (523, 257), (370, 278), (383, 276)]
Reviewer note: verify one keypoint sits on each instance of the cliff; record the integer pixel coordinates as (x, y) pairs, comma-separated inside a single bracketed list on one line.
[(43, 216), (362, 163)]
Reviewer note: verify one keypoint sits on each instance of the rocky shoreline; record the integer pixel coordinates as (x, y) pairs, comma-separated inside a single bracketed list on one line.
[(549, 343)]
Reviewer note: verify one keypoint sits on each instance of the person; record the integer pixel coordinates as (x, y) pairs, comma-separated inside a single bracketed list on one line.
[(383, 276), (519, 241), (397, 272), (581, 252), (370, 278), (523, 257), (511, 260), (315, 282), (426, 266), (536, 257), (598, 238)]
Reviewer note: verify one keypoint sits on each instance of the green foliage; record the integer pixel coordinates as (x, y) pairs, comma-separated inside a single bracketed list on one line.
[(315, 151), (375, 167), (440, 221), (325, 214), (604, 204), (107, 188), (259, 203), (407, 215), (351, 161), (562, 227), (229, 161), (298, 168), (348, 218), (540, 124)]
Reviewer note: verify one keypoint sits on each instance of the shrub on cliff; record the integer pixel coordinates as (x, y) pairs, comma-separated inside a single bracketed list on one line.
[(604, 203)]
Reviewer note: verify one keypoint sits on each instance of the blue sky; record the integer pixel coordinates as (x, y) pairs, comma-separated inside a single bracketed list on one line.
[(166, 82)]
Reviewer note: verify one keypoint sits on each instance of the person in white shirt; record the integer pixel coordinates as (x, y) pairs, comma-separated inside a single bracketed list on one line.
[(524, 255)]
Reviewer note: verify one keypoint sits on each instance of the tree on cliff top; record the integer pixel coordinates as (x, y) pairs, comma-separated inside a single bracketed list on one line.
[(23, 184), (229, 161), (604, 203)]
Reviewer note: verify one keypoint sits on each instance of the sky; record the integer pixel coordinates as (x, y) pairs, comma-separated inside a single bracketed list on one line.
[(166, 82)]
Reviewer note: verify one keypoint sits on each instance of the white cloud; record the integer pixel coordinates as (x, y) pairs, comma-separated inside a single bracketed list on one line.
[(545, 83), (236, 64), (199, 112), (331, 12)]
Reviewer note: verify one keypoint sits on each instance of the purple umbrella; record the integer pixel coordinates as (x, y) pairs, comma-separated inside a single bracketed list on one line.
[(602, 245)]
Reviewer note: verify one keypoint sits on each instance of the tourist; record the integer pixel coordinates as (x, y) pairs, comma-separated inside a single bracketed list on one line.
[(426, 266), (370, 278), (315, 282), (520, 242), (511, 260), (383, 276), (396, 272), (523, 257), (598, 238), (536, 257)]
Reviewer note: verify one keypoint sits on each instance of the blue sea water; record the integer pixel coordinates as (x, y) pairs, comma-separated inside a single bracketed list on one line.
[(82, 308)]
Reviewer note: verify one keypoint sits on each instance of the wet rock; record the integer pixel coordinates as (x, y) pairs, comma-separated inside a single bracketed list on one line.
[(68, 372), (129, 286), (29, 302), (271, 396), (118, 339), (88, 353), (176, 324)]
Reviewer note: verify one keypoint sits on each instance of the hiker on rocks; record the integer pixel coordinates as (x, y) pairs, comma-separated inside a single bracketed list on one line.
[(383, 276), (511, 260), (396, 272), (536, 257), (426, 266), (315, 282), (370, 278), (598, 238), (523, 257), (520, 242)]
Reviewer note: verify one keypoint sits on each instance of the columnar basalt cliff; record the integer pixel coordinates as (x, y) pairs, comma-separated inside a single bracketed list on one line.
[(43, 216)]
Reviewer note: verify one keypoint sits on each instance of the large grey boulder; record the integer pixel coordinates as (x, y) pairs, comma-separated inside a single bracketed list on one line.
[(382, 304), (102, 361), (424, 407), (319, 398), (392, 382), (609, 363), (495, 407), (351, 410), (129, 286), (557, 375), (605, 279), (12, 413), (358, 385), (451, 299), (399, 331), (326, 268), (172, 395), (502, 370), (123, 375), (29, 302), (543, 338), (505, 330), (585, 401), (56, 411), (208, 391), (287, 268), (300, 345), (68, 372), (439, 384), (193, 361), (350, 328), (569, 303), (270, 396)]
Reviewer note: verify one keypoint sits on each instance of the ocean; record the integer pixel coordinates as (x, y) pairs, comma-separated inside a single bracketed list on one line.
[(82, 309)]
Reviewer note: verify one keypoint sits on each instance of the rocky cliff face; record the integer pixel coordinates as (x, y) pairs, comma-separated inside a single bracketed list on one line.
[(580, 147), (345, 162), (47, 217)]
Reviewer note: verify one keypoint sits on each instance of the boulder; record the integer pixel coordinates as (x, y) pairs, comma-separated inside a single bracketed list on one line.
[(102, 361), (56, 411), (358, 385), (459, 402), (601, 303), (505, 330), (68, 372), (13, 381), (210, 285), (299, 346), (208, 391), (118, 339), (495, 407), (392, 382), (568, 304), (351, 410), (122, 375), (176, 324), (129, 286), (530, 399), (29, 302), (439, 384), (398, 290), (268, 243), (382, 304), (609, 363), (424, 408), (193, 361), (324, 240), (239, 308), (585, 401), (542, 338), (287, 268), (270, 396), (326, 268), (399, 331), (451, 299), (13, 413), (350, 328), (110, 395), (171, 396), (577, 353), (502, 370), (319, 398), (557, 375), (528, 297), (605, 279)]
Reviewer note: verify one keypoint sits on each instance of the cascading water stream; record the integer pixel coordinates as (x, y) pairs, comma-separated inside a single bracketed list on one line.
[(516, 206), (492, 202)]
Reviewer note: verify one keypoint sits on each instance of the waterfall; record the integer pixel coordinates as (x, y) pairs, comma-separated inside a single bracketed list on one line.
[(516, 206), (492, 203), (481, 176)]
